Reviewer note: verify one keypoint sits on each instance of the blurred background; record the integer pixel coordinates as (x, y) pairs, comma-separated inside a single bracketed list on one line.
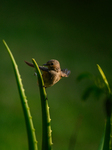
[(79, 35)]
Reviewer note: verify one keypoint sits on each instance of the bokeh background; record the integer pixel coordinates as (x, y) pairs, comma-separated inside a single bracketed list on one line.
[(79, 35)]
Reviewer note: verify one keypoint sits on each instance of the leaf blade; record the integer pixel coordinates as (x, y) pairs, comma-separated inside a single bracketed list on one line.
[(104, 78), (28, 118), (46, 127)]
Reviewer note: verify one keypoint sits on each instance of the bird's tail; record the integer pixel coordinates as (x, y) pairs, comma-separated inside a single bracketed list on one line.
[(29, 64)]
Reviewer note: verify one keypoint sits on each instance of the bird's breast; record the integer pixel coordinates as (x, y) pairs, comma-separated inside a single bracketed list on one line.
[(50, 78)]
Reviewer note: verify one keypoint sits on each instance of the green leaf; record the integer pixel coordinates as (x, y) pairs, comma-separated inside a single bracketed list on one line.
[(106, 139), (28, 118), (46, 127), (106, 143), (92, 89), (104, 78), (84, 76)]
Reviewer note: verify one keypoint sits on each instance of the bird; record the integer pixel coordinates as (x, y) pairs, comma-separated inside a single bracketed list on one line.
[(51, 72)]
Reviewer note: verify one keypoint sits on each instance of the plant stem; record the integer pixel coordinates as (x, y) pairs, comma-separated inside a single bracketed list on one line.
[(46, 127), (28, 118)]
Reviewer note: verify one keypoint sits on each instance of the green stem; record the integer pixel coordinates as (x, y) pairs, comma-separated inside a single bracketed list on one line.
[(106, 145), (28, 118), (46, 127)]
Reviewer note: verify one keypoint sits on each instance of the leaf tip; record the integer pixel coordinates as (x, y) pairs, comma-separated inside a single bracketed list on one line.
[(98, 66), (3, 41), (33, 59)]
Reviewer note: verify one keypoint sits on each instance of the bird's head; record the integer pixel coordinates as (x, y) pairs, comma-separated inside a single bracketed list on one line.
[(53, 65)]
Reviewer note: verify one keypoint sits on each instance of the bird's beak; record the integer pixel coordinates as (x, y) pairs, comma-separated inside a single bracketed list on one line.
[(45, 64)]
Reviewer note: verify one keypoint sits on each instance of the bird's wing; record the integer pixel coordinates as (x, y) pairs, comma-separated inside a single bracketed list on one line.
[(43, 68), (65, 72), (40, 67), (29, 64)]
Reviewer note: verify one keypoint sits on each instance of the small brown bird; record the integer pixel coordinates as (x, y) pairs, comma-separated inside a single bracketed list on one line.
[(53, 73)]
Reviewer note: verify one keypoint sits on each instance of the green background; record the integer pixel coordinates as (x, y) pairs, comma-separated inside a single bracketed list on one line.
[(79, 35)]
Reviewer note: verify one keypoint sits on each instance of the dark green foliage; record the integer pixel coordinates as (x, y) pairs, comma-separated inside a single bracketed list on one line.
[(85, 75), (93, 89), (97, 88)]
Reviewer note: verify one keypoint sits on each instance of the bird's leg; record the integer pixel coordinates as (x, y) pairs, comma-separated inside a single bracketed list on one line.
[(35, 74)]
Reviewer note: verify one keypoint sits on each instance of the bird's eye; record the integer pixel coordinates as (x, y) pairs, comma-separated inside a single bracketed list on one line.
[(51, 63)]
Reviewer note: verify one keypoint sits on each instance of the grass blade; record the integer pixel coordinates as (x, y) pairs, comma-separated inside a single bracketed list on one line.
[(28, 118), (106, 143), (106, 139), (104, 78), (46, 128)]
